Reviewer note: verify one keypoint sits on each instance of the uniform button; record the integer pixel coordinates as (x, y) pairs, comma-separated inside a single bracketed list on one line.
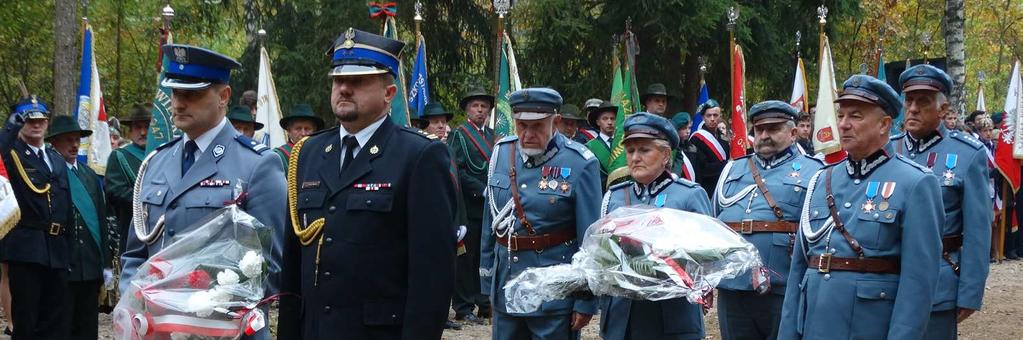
[(749, 211), (326, 274), (768, 167), (815, 213), (882, 295), (827, 277), (515, 259), (170, 232), (911, 155), (81, 242), (832, 250), (847, 204), (326, 309), (394, 316), (329, 240), (523, 186), (856, 181), (173, 205), (332, 208), (796, 189), (307, 199), (876, 215), (369, 202)]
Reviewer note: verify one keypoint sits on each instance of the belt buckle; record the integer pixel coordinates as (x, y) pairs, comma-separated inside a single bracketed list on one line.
[(746, 227), (513, 243), (824, 263), (54, 229)]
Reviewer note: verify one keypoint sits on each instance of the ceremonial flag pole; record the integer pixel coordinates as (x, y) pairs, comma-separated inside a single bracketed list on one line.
[(825, 136), (624, 95), (702, 98), (419, 88), (91, 113), (799, 98), (981, 105), (1005, 161), (160, 128), (268, 106), (740, 136)]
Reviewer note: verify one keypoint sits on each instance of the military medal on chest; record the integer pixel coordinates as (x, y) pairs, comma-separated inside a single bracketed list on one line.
[(931, 158), (552, 181), (544, 171), (886, 193), (872, 187), (565, 172), (795, 169), (950, 163)]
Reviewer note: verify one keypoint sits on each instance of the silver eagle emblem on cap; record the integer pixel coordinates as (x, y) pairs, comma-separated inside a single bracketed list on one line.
[(180, 55)]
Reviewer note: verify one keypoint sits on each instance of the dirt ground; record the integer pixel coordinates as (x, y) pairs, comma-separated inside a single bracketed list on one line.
[(1000, 318)]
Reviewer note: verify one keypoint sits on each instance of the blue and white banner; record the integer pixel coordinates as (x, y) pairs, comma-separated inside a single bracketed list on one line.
[(419, 87)]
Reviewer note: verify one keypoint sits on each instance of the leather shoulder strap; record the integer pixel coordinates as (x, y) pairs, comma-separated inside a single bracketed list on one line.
[(763, 189), (839, 225), (519, 212)]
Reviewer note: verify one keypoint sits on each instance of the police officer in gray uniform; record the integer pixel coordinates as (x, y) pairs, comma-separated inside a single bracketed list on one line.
[(760, 196), (192, 176), (866, 255), (960, 162), (543, 192), (649, 142)]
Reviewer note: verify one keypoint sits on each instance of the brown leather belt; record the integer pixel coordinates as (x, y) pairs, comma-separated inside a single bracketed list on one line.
[(951, 243), (749, 226), (826, 263), (537, 242)]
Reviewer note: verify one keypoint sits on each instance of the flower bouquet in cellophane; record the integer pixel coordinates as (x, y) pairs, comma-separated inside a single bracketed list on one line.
[(205, 285), (641, 253)]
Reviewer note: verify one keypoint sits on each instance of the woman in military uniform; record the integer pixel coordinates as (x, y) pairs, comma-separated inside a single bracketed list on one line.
[(649, 142)]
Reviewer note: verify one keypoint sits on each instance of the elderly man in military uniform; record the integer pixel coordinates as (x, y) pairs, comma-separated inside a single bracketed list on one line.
[(371, 206), (122, 167), (655, 100), (89, 254), (543, 192), (299, 123), (960, 161), (243, 121), (760, 196), (471, 146), (192, 176), (36, 249), (866, 254), (711, 147), (569, 124)]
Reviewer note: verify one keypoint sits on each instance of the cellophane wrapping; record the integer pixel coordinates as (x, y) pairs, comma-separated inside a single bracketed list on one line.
[(206, 284), (641, 253)]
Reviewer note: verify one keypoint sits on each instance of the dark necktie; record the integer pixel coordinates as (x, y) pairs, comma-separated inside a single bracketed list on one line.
[(42, 157), (350, 143), (189, 156)]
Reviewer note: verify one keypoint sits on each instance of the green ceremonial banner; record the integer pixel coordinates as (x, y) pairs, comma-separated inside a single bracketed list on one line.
[(399, 108), (506, 85), (624, 95)]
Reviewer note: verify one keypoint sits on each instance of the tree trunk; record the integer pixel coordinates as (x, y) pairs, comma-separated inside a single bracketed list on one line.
[(955, 49), (65, 31)]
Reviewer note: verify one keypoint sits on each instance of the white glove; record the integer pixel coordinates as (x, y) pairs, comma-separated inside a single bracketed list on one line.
[(108, 279)]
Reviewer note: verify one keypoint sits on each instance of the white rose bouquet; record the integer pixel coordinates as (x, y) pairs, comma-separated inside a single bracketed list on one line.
[(205, 285)]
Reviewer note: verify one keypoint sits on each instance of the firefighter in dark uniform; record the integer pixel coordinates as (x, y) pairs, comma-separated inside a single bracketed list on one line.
[(36, 250), (371, 247)]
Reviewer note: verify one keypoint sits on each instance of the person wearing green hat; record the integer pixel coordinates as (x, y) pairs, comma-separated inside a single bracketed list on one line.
[(435, 120), (122, 166), (603, 118), (569, 124), (471, 147), (300, 123), (88, 254), (682, 166), (655, 100), (242, 120)]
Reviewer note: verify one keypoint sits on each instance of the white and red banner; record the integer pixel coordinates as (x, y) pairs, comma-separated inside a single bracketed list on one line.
[(825, 123), (799, 98)]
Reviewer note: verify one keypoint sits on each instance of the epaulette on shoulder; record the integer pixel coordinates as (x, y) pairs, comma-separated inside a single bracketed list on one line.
[(250, 144), (508, 139), (967, 139), (420, 133), (619, 185), (687, 183), (816, 160), (168, 143), (916, 165), (581, 149)]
